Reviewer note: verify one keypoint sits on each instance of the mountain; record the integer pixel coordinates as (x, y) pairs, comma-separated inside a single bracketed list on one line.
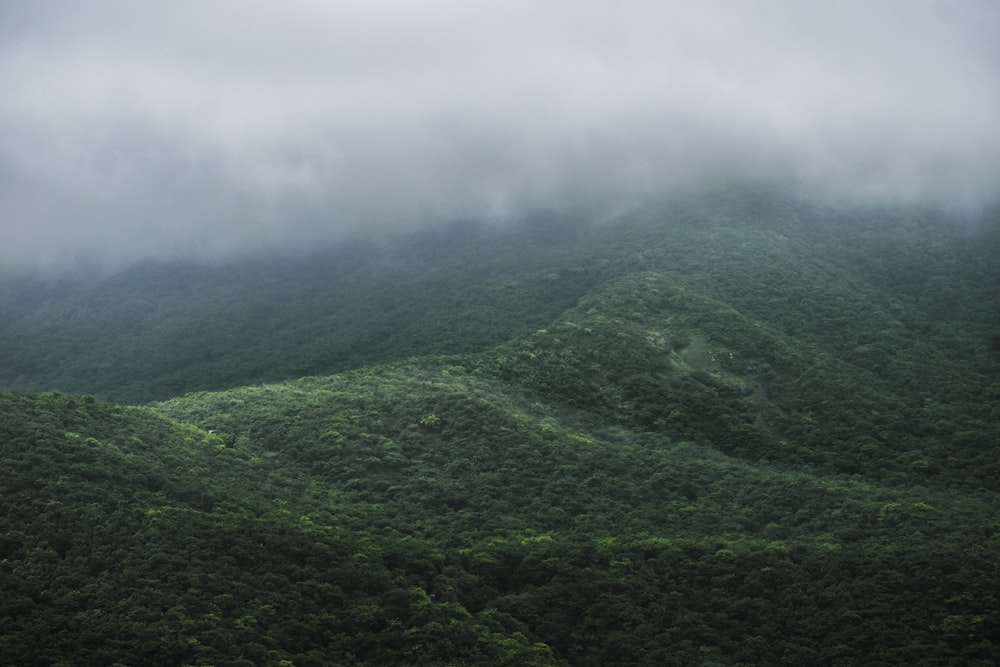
[(156, 330), (741, 429)]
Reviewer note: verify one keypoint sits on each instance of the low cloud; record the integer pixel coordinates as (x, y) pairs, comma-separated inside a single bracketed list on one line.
[(130, 130)]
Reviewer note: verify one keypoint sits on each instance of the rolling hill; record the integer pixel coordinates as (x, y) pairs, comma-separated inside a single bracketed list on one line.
[(738, 429)]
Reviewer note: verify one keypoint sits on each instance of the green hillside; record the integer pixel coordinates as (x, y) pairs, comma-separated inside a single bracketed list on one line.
[(866, 285), (157, 330), (745, 430)]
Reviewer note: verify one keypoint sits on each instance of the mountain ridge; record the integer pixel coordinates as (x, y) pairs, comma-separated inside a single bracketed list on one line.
[(731, 444)]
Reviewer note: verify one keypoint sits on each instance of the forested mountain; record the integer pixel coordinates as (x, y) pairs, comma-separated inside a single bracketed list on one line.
[(161, 329), (733, 429)]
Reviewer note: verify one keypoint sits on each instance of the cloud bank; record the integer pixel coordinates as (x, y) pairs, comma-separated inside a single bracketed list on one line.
[(135, 129)]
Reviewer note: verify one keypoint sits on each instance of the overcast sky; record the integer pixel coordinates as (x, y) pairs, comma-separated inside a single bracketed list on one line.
[(133, 128)]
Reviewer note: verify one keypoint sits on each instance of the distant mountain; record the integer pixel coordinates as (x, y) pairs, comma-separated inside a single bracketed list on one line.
[(158, 330), (737, 430)]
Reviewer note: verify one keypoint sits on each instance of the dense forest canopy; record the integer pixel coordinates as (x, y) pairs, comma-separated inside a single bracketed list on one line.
[(499, 333), (738, 428)]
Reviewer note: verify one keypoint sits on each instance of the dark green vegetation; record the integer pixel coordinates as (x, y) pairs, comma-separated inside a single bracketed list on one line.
[(159, 330), (746, 432)]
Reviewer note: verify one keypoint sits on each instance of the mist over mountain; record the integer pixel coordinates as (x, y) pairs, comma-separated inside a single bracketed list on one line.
[(165, 327), (499, 333), (131, 132)]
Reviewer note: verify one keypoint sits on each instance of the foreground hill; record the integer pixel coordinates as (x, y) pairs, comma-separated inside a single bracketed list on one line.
[(131, 539), (422, 513), (751, 433)]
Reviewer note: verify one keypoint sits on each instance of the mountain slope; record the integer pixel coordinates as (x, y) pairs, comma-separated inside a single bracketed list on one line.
[(612, 544), (129, 538), (158, 330), (737, 433), (862, 283), (653, 353), (596, 446), (422, 513)]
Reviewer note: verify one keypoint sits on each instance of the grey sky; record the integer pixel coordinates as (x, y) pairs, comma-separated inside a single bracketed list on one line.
[(134, 128)]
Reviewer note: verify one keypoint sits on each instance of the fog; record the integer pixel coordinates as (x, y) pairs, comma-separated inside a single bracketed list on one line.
[(134, 129)]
